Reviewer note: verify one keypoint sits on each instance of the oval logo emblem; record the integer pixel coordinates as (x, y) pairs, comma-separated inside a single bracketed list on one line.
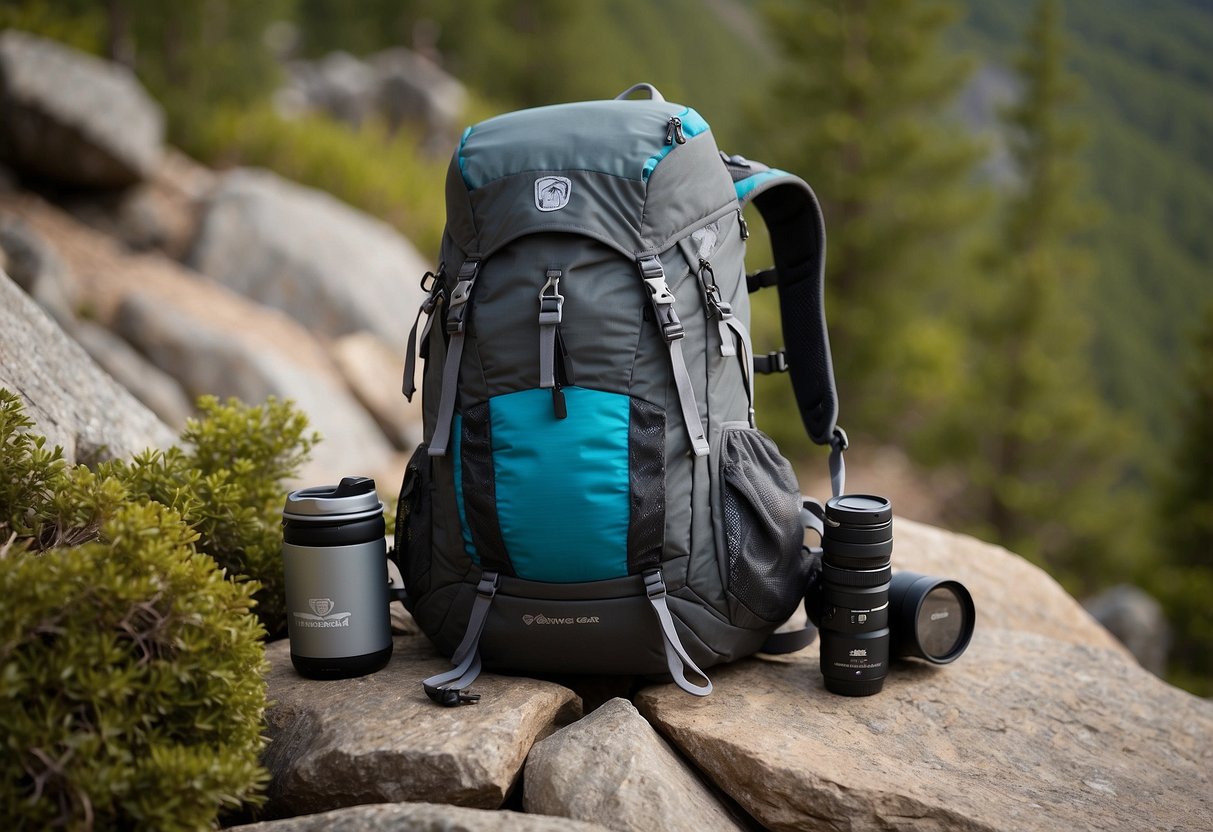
[(321, 606)]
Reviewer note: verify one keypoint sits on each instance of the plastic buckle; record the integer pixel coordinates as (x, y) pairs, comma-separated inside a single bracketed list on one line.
[(840, 442), (779, 361), (672, 330), (551, 306), (487, 587), (659, 291), (654, 586), (451, 698)]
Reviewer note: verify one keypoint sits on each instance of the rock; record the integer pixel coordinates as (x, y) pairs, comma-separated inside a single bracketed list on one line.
[(34, 265), (338, 85), (212, 340), (333, 269), (373, 371), (379, 739), (206, 356), (412, 89), (611, 766), (73, 118), (71, 400), (399, 85), (1043, 724), (149, 384), (419, 817), (161, 213), (1137, 621), (1038, 604)]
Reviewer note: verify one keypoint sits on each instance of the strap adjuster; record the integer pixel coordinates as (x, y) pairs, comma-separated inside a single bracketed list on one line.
[(654, 586), (551, 302), (839, 441), (487, 587)]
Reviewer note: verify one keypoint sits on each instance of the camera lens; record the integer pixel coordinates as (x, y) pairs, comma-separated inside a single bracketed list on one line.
[(932, 617), (857, 546)]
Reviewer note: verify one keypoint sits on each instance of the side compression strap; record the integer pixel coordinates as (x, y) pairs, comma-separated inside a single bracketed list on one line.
[(672, 333), (676, 657), (798, 241), (456, 325), (448, 688)]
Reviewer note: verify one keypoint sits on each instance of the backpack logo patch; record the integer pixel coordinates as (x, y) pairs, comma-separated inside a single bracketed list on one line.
[(552, 192)]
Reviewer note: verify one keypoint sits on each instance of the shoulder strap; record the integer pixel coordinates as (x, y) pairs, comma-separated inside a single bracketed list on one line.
[(798, 241)]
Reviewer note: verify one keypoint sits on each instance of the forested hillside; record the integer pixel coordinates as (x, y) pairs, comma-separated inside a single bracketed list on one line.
[(1148, 74)]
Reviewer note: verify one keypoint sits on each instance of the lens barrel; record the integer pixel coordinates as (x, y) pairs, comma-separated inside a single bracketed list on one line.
[(857, 548), (933, 617)]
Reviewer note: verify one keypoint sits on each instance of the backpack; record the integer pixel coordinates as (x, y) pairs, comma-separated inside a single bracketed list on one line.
[(592, 495)]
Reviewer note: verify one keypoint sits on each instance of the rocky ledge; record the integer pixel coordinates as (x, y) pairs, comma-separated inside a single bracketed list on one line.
[(1045, 723)]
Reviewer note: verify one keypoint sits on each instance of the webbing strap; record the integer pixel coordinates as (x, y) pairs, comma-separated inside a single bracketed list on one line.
[(551, 304), (448, 688), (409, 386), (676, 657), (747, 359), (456, 325), (672, 333), (838, 468)]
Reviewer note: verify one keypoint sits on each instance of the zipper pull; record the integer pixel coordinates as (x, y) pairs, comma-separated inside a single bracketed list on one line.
[(559, 409), (743, 225), (674, 132)]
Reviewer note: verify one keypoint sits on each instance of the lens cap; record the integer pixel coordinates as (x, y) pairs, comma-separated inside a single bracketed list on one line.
[(859, 510)]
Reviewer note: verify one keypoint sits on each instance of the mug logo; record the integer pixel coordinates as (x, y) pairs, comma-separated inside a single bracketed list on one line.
[(552, 192), (323, 617)]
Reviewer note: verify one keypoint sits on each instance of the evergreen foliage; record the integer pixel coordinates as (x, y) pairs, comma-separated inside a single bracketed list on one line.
[(131, 669), (1033, 438), (1183, 579), (861, 96)]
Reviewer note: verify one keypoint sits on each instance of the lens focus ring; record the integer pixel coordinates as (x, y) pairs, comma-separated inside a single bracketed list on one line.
[(856, 577)]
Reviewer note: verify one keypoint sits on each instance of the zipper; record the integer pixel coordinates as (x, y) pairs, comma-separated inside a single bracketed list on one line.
[(673, 132), (743, 225)]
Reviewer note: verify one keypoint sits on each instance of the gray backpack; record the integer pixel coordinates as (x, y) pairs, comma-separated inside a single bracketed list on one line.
[(593, 495)]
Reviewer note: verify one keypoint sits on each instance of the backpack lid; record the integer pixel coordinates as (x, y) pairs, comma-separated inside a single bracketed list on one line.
[(635, 175)]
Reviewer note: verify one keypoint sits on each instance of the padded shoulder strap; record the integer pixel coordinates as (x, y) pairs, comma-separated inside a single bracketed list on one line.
[(798, 241)]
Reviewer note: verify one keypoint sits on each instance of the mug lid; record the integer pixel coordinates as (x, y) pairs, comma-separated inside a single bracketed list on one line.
[(353, 497)]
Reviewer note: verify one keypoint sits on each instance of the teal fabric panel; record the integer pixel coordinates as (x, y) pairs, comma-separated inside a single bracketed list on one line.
[(692, 125), (611, 137), (457, 461), (562, 484), (746, 186)]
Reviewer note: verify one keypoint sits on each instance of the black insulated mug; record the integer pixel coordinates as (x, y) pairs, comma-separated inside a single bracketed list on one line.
[(857, 548), (337, 593)]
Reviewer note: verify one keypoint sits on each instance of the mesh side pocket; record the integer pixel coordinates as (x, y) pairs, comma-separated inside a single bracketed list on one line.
[(412, 535), (762, 527)]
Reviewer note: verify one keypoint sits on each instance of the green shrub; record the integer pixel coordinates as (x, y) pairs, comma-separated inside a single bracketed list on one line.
[(131, 670), (228, 482)]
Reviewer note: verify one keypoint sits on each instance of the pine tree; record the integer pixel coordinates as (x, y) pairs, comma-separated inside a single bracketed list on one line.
[(1184, 517), (1040, 450), (859, 111)]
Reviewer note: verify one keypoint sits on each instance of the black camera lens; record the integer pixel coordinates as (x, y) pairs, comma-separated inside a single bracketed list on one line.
[(932, 617), (857, 546)]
